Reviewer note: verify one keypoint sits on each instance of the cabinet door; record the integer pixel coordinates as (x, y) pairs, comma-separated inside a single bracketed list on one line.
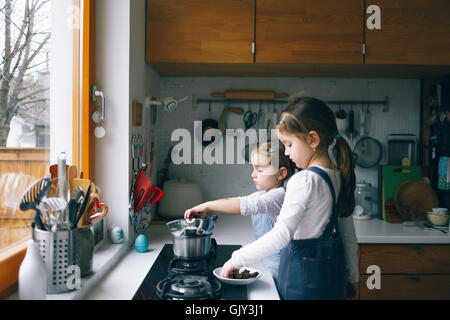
[(200, 31), (416, 287), (309, 31), (406, 259), (412, 32)]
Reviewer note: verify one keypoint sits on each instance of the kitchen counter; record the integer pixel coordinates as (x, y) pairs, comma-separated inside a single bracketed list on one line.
[(125, 278), (123, 281), (378, 231)]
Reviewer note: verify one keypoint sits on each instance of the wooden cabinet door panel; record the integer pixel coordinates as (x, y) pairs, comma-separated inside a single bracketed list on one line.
[(406, 259), (211, 31), (412, 32), (308, 31), (407, 287)]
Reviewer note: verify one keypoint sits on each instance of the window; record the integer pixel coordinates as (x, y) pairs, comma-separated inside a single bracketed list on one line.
[(24, 109), (40, 94)]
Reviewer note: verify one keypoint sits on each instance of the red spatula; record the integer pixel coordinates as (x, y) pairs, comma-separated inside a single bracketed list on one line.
[(145, 191)]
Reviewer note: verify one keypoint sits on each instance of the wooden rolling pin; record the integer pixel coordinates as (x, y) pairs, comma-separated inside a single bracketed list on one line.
[(236, 110), (249, 95)]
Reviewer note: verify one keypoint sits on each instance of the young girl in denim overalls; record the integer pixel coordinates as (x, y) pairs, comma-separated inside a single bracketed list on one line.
[(307, 230)]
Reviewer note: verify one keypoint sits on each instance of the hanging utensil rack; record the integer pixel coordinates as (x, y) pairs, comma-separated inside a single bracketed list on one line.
[(385, 103), (137, 152)]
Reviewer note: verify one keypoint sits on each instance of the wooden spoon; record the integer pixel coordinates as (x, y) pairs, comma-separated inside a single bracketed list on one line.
[(87, 213), (72, 173)]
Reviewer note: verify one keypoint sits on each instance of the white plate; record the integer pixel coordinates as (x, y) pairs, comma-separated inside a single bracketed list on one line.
[(237, 282)]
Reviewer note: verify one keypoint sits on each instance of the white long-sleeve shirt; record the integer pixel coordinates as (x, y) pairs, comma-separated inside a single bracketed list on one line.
[(304, 211)]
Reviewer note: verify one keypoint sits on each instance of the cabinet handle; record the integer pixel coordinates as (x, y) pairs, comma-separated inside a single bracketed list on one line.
[(412, 277), (413, 246)]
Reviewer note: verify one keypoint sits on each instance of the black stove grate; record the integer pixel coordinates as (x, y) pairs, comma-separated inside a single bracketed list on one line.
[(159, 272), (188, 287)]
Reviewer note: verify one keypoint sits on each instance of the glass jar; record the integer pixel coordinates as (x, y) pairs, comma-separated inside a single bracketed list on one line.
[(363, 200)]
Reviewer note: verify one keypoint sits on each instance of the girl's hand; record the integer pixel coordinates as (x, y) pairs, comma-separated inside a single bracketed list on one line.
[(227, 269), (197, 211)]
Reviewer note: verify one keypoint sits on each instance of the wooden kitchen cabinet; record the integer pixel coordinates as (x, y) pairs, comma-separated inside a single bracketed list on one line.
[(291, 31), (408, 287), (294, 38), (407, 271), (206, 31), (309, 31), (412, 32)]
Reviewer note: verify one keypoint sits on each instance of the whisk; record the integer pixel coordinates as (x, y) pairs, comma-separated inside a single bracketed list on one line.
[(33, 196), (56, 206)]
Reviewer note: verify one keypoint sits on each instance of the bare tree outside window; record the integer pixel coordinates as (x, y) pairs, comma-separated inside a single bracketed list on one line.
[(24, 67), (25, 29)]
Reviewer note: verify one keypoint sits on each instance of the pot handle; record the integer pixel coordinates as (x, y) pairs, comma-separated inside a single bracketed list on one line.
[(214, 243), (212, 222), (200, 229)]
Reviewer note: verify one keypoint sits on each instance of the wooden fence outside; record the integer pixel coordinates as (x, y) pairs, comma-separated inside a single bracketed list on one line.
[(19, 167), (31, 161)]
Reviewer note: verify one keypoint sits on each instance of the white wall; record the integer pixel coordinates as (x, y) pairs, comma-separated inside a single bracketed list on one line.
[(143, 82), (61, 81), (121, 73), (112, 72), (233, 180)]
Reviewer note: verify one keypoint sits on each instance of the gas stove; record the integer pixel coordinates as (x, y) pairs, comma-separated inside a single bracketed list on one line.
[(177, 279), (188, 287)]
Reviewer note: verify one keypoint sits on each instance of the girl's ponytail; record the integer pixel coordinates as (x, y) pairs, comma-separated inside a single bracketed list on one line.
[(345, 162)]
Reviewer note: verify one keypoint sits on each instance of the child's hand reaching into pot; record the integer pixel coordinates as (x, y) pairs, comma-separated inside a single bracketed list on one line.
[(197, 211)]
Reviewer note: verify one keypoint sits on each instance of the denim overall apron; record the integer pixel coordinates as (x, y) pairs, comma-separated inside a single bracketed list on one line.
[(313, 269), (261, 225)]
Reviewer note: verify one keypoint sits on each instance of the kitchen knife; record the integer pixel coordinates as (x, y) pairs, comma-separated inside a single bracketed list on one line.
[(82, 207)]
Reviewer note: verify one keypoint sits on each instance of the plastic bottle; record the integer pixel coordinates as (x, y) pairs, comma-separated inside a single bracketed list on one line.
[(32, 274)]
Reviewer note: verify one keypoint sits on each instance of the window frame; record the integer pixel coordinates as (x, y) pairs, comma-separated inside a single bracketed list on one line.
[(11, 258)]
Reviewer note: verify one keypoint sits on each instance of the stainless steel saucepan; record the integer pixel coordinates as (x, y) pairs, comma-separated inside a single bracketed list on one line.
[(191, 237), (191, 227)]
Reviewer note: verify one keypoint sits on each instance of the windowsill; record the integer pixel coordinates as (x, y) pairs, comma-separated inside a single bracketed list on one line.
[(10, 260), (105, 258)]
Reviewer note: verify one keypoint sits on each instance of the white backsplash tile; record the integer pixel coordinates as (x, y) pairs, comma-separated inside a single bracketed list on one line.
[(218, 181)]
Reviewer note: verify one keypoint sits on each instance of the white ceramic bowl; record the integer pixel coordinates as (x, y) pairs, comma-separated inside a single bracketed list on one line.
[(439, 210), (237, 282), (438, 219)]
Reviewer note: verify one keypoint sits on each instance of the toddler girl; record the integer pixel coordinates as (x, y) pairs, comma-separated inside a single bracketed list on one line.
[(263, 205)]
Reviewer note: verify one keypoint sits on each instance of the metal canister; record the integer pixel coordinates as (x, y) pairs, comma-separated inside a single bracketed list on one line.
[(59, 251)]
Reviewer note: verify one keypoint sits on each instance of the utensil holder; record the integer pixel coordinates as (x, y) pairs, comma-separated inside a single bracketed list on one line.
[(58, 250), (85, 249)]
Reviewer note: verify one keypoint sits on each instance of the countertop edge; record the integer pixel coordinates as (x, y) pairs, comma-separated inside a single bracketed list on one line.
[(121, 284)]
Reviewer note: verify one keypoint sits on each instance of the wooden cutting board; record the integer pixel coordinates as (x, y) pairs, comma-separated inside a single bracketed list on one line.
[(413, 198), (391, 178)]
